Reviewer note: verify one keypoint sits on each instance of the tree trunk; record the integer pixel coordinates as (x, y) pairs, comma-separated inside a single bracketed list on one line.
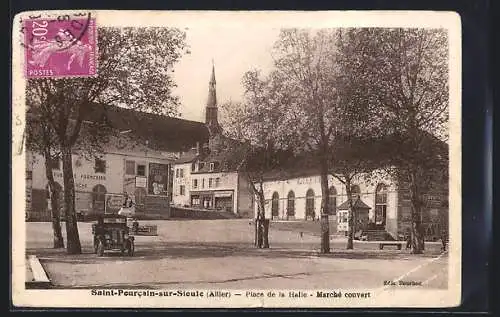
[(261, 223), (72, 238), (265, 233), (54, 203), (351, 215), (325, 206), (417, 236)]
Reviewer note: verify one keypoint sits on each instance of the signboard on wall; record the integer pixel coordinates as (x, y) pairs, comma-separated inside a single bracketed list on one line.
[(113, 203), (141, 181), (158, 179)]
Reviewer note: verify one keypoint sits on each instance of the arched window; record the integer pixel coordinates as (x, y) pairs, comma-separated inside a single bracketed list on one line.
[(290, 206), (355, 191), (310, 204), (380, 204), (333, 201), (98, 198), (275, 204)]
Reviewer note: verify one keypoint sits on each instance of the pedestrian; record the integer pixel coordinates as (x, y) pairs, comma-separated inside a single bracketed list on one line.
[(408, 239)]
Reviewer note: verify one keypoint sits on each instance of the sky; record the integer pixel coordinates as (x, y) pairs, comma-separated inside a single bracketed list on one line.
[(233, 50)]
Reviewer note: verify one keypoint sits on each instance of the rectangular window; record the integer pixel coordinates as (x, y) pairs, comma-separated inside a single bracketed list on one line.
[(195, 201), (141, 170), (203, 183), (181, 173), (55, 163), (210, 180), (182, 190), (100, 166), (217, 182), (176, 173), (195, 183), (193, 167), (130, 167), (201, 165), (212, 165)]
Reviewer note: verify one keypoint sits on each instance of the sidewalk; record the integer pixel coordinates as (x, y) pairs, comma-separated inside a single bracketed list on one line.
[(36, 277)]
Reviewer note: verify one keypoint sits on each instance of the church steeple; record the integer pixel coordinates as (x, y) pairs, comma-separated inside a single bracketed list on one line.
[(211, 110)]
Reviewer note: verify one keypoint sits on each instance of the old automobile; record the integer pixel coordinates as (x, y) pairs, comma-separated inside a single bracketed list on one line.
[(112, 233)]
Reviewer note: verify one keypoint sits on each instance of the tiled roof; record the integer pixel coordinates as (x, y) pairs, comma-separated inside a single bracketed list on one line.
[(381, 150), (162, 133), (358, 204)]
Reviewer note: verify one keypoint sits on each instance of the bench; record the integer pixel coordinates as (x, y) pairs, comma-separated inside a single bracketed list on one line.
[(397, 244)]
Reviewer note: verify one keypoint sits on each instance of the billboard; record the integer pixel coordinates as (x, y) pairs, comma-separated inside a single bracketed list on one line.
[(158, 179)]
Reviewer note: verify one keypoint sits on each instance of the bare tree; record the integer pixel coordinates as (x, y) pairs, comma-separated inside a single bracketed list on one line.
[(305, 60), (258, 122), (402, 74), (134, 71)]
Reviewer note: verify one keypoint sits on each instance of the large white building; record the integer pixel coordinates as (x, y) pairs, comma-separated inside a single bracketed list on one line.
[(299, 197), (382, 204), (137, 162)]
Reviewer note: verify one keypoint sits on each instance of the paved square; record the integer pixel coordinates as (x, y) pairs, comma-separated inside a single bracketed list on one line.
[(220, 253)]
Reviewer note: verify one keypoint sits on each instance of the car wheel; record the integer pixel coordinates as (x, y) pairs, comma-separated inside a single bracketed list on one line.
[(100, 249)]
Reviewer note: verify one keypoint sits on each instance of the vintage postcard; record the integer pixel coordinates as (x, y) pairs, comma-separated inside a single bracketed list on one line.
[(216, 159)]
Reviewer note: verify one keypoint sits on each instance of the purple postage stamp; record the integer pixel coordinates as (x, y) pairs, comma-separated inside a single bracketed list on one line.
[(65, 46)]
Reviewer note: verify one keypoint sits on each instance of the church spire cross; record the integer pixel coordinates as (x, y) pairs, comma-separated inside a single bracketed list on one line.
[(211, 111), (212, 78)]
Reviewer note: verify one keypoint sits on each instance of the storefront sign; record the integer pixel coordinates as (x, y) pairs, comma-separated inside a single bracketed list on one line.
[(308, 180), (223, 194), (113, 203), (82, 176)]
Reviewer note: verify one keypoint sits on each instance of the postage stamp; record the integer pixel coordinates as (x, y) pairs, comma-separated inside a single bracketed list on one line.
[(236, 159), (64, 46)]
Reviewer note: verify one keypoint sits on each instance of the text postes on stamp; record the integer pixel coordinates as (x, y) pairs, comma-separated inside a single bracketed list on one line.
[(60, 47)]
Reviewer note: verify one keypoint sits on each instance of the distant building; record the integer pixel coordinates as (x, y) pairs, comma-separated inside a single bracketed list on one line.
[(383, 204), (207, 176), (137, 162)]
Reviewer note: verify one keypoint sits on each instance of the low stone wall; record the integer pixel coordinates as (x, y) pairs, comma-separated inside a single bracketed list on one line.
[(194, 213)]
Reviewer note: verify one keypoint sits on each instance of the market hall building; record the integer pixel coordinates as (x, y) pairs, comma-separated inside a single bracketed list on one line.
[(382, 205), (137, 161)]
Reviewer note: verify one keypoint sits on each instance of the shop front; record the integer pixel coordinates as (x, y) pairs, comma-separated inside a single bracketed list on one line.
[(222, 200)]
